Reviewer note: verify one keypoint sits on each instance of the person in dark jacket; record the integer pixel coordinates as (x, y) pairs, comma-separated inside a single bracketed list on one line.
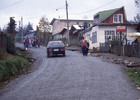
[(27, 43), (83, 44), (87, 48)]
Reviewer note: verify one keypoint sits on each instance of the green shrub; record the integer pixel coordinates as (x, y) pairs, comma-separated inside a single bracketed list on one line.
[(11, 48), (134, 74), (12, 68), (3, 54), (2, 70)]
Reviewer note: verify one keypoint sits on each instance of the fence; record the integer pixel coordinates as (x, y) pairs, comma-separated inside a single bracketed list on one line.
[(121, 50), (104, 47), (73, 41), (3, 41), (126, 50)]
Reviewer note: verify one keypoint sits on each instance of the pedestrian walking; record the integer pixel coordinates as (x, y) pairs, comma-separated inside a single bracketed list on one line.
[(27, 43), (24, 43), (84, 46), (38, 43), (87, 47), (35, 43), (32, 42)]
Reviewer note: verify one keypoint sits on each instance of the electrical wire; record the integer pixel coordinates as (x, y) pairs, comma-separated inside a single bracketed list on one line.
[(94, 8), (13, 4)]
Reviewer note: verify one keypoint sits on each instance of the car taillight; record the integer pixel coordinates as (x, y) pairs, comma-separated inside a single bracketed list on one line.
[(49, 49), (62, 49)]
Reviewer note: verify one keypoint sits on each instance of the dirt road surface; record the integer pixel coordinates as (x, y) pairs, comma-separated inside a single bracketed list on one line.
[(74, 77)]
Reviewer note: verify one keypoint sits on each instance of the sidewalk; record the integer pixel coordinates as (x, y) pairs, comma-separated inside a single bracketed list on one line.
[(127, 61), (73, 48)]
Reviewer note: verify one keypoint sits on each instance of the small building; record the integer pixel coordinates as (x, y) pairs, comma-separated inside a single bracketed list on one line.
[(59, 24), (109, 25), (75, 31), (30, 34), (63, 33)]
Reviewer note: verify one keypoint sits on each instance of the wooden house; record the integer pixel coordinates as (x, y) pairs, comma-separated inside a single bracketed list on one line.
[(109, 25)]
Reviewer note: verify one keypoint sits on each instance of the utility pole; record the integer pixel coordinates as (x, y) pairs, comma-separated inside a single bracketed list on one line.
[(67, 22), (21, 29), (12, 27)]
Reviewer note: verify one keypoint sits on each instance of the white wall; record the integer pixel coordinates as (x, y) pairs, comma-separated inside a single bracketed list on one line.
[(101, 34)]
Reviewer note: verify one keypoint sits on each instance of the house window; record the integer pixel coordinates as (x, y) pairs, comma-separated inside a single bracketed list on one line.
[(118, 35), (118, 18), (94, 37), (109, 35)]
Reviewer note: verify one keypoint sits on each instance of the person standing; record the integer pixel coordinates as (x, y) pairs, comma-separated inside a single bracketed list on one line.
[(27, 43), (24, 43), (84, 46), (38, 43), (87, 48)]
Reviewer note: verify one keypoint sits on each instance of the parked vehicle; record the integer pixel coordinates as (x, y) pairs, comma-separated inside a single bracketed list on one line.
[(55, 48)]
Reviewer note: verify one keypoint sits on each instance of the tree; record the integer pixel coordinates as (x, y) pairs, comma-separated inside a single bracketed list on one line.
[(137, 18), (86, 25), (7, 30), (27, 28), (137, 2), (44, 27)]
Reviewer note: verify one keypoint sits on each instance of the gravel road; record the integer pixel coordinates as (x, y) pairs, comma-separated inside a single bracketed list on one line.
[(74, 77)]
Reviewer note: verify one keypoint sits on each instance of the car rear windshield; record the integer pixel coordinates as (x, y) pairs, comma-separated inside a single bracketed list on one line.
[(55, 44)]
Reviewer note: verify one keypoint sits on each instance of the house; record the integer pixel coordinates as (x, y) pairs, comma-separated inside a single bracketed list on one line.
[(109, 25), (59, 24), (75, 31), (63, 33), (30, 34)]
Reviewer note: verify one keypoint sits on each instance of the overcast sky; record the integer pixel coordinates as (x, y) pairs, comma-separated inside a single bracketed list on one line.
[(33, 10)]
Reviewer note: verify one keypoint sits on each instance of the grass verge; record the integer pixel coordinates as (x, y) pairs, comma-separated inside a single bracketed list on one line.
[(11, 66), (134, 74)]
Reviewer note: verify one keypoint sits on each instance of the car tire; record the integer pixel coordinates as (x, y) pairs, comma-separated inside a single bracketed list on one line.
[(64, 55), (48, 55)]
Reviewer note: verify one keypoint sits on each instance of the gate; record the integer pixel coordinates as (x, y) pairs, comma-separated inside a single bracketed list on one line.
[(104, 47)]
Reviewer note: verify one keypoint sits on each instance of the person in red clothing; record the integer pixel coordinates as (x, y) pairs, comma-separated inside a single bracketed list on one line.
[(38, 43), (24, 43), (84, 46)]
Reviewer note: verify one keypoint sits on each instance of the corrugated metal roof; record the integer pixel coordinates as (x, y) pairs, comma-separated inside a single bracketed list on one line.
[(76, 27), (105, 14)]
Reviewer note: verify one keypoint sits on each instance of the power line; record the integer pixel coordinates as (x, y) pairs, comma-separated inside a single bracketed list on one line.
[(94, 8), (13, 4)]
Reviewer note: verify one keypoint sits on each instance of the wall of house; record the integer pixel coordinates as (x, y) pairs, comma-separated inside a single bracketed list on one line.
[(74, 22), (97, 30), (101, 34), (110, 19), (65, 34), (96, 19), (56, 27)]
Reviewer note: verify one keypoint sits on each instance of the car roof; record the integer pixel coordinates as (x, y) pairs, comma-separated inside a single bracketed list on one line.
[(55, 41)]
